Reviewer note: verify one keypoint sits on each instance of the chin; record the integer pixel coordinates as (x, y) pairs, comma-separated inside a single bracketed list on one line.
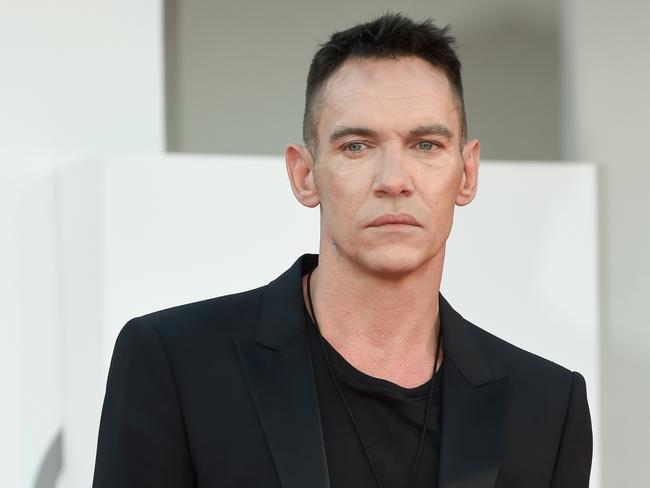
[(393, 262)]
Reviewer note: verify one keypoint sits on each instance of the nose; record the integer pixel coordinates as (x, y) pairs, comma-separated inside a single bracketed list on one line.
[(393, 177)]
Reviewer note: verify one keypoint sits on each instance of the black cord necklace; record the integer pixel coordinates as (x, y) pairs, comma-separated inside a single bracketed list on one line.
[(427, 410)]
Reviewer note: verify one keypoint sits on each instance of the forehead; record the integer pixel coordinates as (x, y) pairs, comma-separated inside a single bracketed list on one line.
[(388, 92)]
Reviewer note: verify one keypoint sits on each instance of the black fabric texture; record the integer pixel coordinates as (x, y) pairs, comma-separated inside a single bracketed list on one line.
[(221, 393), (389, 417)]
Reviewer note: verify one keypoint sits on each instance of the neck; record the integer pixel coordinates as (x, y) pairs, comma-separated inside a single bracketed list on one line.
[(386, 327)]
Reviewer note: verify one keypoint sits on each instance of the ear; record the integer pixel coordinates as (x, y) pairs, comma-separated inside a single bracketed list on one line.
[(300, 168), (471, 154)]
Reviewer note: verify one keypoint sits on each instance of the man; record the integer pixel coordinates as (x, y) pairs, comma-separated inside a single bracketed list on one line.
[(350, 369)]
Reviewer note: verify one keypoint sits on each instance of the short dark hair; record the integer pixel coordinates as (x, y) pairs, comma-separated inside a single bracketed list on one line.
[(390, 36)]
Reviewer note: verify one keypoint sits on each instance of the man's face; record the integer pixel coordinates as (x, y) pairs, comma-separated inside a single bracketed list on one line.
[(389, 148)]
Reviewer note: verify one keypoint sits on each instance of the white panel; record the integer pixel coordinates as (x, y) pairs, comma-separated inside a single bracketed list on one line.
[(83, 316), (202, 227), (40, 381), (522, 259), (174, 229), (522, 263), (10, 449), (79, 77)]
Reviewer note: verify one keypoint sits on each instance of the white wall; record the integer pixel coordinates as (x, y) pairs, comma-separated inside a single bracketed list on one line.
[(607, 121), (78, 78)]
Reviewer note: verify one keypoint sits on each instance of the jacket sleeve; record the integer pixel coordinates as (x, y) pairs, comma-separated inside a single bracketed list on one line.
[(573, 463), (142, 441)]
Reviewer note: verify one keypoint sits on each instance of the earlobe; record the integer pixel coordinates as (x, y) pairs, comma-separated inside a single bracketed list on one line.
[(300, 169), (469, 181)]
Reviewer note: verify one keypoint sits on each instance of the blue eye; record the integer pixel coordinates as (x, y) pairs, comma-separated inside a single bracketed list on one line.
[(355, 146), (426, 145)]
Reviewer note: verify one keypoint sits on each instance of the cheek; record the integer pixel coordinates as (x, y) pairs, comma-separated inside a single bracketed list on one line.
[(440, 192), (442, 180), (343, 194)]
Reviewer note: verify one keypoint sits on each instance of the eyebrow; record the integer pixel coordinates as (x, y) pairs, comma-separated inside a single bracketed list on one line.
[(420, 131), (342, 132), (432, 130)]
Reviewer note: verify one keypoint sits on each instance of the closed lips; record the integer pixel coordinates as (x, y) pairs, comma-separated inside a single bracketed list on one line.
[(387, 219)]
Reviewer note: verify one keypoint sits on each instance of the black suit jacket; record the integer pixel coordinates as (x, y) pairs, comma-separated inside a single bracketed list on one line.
[(221, 393)]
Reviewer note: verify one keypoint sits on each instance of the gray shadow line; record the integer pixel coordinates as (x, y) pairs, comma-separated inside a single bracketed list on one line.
[(52, 463)]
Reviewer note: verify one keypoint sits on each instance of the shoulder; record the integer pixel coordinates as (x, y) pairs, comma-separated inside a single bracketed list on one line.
[(513, 357), (526, 370), (548, 421), (206, 320)]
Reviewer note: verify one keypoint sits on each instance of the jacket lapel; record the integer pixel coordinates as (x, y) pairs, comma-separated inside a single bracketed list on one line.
[(278, 369), (473, 408), (277, 366)]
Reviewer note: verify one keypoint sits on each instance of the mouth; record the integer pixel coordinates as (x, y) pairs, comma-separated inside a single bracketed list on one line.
[(394, 219)]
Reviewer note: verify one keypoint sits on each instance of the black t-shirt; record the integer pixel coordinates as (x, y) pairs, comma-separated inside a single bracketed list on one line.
[(389, 418)]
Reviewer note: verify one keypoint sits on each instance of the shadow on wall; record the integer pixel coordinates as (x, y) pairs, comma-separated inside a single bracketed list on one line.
[(50, 468)]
